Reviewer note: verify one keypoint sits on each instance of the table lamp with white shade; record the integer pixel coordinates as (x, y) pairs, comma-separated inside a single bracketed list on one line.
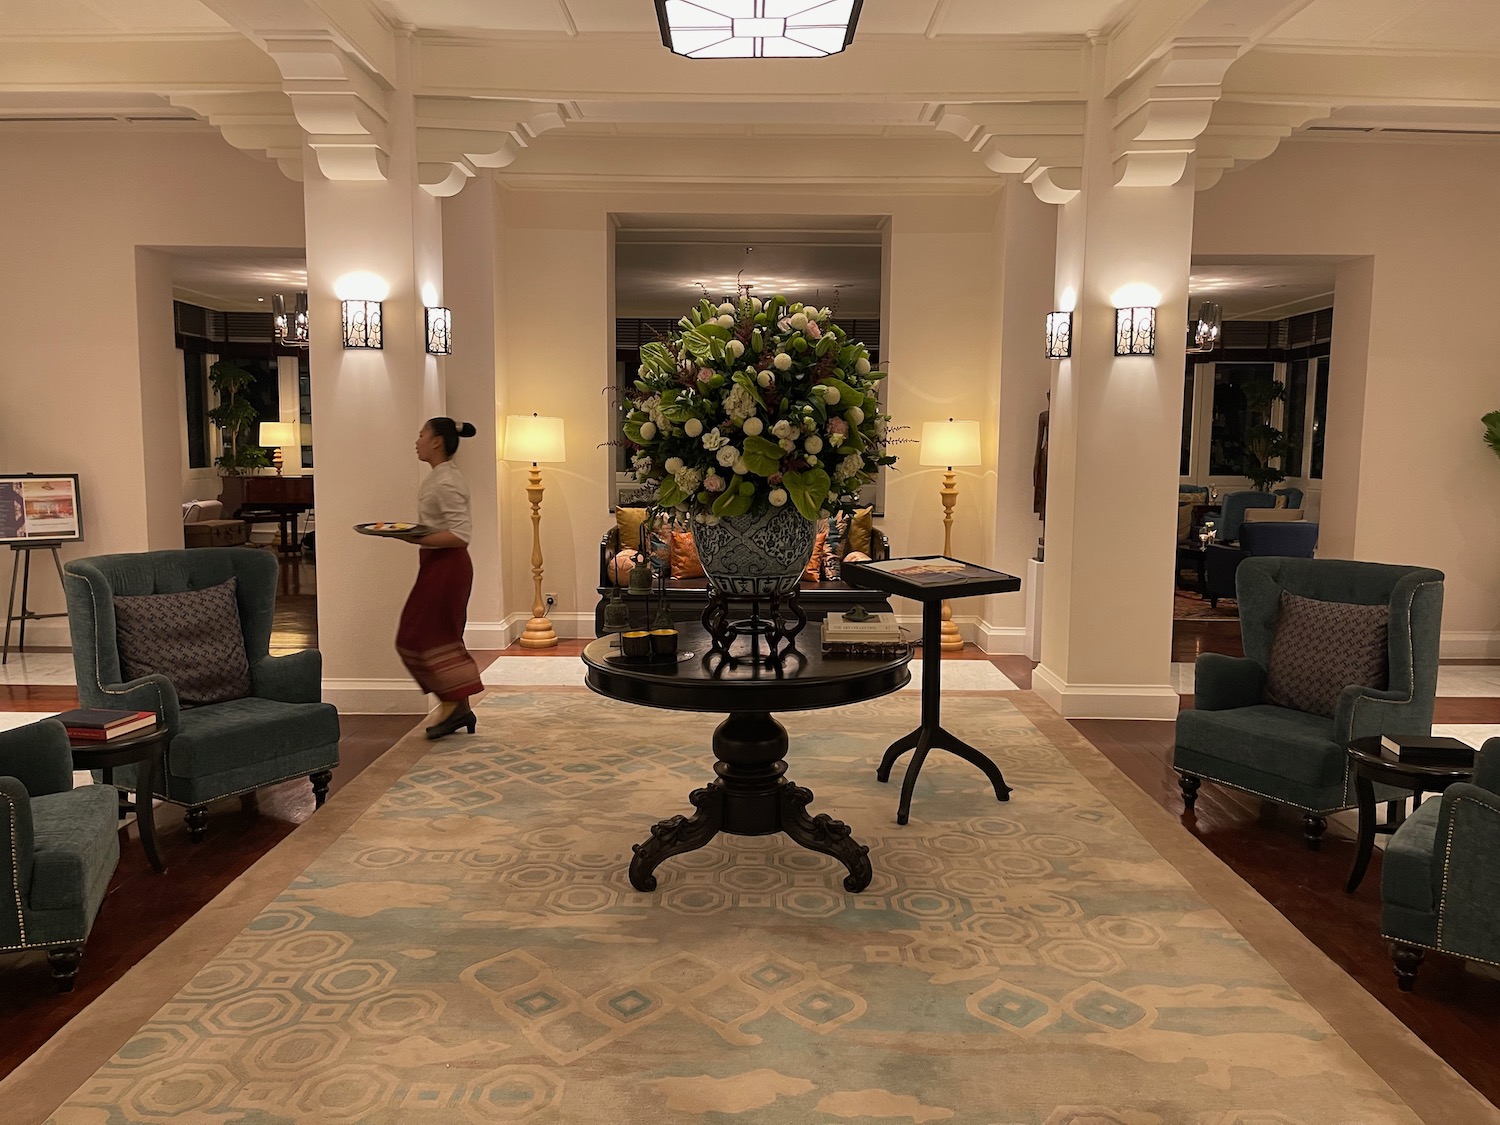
[(275, 435), (529, 437), (952, 445)]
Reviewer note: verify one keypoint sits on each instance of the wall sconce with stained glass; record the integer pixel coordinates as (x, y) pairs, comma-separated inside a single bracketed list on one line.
[(1135, 331), (1059, 335), (439, 331), (362, 324)]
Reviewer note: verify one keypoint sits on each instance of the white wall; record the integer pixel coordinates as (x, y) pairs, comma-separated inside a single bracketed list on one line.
[(941, 338), (1407, 477), (89, 375)]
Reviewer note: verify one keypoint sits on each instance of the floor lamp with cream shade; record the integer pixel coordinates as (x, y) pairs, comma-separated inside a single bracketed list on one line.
[(952, 445), (535, 439)]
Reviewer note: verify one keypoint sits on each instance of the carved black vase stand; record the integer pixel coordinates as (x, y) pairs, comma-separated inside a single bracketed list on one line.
[(930, 734), (784, 620), (751, 796)]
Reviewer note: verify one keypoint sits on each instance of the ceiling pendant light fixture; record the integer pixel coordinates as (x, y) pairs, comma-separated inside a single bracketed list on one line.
[(757, 29), (1206, 329)]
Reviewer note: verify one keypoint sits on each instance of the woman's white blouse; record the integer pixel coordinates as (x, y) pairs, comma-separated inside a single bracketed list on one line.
[(443, 501)]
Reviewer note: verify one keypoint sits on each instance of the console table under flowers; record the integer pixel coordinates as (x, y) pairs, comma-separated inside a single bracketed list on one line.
[(755, 419)]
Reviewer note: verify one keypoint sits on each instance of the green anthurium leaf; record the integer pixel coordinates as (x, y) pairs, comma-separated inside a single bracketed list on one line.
[(668, 495), (826, 344), (734, 502), (657, 359), (854, 442), (632, 430), (808, 490), (762, 455), (713, 329)]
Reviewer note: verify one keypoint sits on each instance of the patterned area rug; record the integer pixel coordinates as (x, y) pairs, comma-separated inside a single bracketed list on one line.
[(1189, 605), (469, 949)]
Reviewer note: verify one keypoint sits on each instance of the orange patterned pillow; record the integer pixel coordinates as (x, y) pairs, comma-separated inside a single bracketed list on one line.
[(814, 571), (685, 562)]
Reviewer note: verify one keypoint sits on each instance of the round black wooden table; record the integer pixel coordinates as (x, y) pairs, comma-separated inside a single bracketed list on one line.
[(751, 795), (141, 749), (1371, 766)]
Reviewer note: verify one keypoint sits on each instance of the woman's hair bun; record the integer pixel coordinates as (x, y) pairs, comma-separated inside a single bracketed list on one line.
[(466, 429)]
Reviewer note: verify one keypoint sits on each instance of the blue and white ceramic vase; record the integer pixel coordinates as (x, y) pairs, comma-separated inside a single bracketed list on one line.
[(756, 555)]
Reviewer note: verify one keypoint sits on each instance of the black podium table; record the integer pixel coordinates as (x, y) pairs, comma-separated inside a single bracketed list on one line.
[(751, 795), (932, 579)]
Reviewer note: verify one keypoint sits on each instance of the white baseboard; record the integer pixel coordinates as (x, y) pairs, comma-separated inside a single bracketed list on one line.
[(491, 636), (51, 633), (1105, 701), (376, 697), (1469, 646), (998, 640)]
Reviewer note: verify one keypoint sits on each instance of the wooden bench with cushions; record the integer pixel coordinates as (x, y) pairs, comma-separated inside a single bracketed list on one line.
[(688, 597)]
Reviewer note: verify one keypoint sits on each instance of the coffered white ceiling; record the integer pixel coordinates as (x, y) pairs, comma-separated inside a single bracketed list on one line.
[(1464, 25)]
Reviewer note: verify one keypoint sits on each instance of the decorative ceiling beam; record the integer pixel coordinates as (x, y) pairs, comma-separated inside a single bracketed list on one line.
[(338, 104), (1041, 144), (1240, 133), (355, 26), (219, 63), (456, 137), (1159, 115), (253, 122)]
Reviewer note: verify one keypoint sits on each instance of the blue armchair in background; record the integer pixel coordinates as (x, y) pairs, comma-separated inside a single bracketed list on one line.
[(281, 730), (1231, 514), (1297, 539), (1233, 737), (64, 845), (1440, 878)]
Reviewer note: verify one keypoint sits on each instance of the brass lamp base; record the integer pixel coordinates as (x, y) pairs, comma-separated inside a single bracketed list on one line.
[(953, 640), (538, 634)]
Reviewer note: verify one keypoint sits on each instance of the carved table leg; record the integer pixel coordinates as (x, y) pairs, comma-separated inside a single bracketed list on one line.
[(678, 834), (822, 833), (894, 751)]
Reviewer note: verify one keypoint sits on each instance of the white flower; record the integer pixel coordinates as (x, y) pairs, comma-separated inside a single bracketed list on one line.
[(725, 321), (832, 397), (740, 468), (641, 371), (739, 404), (727, 307), (812, 461), (835, 440), (818, 391), (764, 378), (799, 321), (688, 478), (736, 348), (848, 467), (813, 444), (673, 464), (648, 431), (782, 362), (755, 304), (712, 440), (692, 427), (782, 429), (855, 416), (787, 444), (753, 426), (728, 455), (777, 497), (862, 365)]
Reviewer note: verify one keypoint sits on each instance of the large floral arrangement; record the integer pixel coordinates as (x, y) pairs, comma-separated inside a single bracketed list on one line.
[(756, 404)]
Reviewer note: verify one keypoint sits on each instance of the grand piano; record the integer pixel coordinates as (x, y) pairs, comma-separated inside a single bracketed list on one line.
[(278, 500)]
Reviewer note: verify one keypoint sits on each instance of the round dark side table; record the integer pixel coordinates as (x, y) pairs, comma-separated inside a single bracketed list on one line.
[(143, 749), (1371, 766), (751, 796)]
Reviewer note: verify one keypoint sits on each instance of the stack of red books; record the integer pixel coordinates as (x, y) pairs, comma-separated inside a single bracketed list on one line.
[(101, 725)]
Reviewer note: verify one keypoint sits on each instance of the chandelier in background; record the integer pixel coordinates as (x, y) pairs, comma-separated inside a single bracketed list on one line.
[(1204, 332), (757, 29), (290, 329)]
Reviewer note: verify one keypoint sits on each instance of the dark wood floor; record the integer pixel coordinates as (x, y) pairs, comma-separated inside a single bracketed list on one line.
[(1455, 1010)]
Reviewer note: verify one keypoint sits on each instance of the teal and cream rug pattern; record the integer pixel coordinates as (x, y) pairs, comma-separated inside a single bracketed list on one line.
[(471, 951)]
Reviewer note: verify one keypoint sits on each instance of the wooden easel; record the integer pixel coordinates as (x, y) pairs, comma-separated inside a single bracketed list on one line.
[(24, 572)]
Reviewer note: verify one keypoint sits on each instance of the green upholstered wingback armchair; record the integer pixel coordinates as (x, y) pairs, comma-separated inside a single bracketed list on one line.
[(61, 847), (1440, 878), (1234, 738), (281, 730)]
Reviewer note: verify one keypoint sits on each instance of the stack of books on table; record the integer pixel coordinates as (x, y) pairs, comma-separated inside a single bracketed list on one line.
[(101, 725), (1426, 750), (877, 635)]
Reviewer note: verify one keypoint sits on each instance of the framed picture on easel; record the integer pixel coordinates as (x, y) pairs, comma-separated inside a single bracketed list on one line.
[(40, 509)]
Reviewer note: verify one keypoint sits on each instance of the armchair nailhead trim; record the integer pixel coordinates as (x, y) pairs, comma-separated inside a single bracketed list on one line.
[(15, 867), (1448, 863)]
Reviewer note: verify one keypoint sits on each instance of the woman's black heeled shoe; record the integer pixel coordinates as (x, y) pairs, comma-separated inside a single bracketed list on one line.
[(464, 718)]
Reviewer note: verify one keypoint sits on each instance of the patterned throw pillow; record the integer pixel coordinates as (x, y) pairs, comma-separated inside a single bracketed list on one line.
[(1320, 648), (192, 638)]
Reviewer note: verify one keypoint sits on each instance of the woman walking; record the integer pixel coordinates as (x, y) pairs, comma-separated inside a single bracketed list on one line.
[(430, 640)]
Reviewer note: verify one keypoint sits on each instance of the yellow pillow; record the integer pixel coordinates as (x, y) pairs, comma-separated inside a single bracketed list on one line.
[(629, 521), (1281, 501), (861, 524)]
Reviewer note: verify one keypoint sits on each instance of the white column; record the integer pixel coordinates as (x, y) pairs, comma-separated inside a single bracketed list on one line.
[(372, 238), (1114, 439)]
